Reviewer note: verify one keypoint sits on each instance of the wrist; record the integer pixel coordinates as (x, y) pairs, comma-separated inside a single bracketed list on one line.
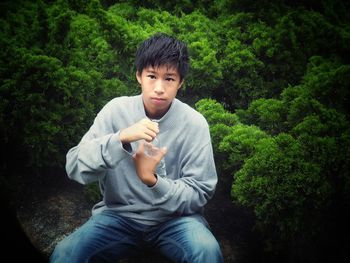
[(122, 137), (152, 181)]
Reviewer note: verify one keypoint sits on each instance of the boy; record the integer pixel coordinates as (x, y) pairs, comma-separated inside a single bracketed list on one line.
[(153, 195)]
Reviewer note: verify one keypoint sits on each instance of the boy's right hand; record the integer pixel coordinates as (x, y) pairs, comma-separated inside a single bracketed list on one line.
[(144, 129)]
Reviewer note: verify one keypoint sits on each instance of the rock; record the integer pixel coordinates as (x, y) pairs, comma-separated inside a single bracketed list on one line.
[(47, 221), (48, 207)]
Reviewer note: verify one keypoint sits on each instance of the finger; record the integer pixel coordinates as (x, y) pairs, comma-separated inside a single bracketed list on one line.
[(163, 150), (148, 122), (161, 153), (153, 126), (148, 138), (153, 129), (150, 135)]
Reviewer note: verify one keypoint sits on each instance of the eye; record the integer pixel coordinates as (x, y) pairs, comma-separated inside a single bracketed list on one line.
[(170, 79), (151, 76)]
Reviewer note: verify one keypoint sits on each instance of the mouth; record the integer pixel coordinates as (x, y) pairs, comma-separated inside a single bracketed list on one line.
[(158, 100)]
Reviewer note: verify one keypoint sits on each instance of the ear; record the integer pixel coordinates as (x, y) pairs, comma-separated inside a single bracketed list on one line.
[(138, 77)]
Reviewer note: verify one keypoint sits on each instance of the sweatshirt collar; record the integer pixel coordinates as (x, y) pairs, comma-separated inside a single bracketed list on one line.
[(167, 120)]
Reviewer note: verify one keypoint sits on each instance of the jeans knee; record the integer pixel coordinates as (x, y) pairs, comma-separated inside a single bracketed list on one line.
[(63, 251), (207, 250), (59, 253)]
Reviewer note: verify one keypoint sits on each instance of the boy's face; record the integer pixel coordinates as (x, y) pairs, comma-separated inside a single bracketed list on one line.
[(159, 88)]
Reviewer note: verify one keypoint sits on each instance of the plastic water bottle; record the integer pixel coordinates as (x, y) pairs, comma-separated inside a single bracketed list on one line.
[(151, 149)]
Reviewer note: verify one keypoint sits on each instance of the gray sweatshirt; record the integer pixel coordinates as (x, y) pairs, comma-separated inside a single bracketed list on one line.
[(190, 175)]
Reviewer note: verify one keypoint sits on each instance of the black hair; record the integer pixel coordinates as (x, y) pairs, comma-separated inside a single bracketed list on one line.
[(161, 49)]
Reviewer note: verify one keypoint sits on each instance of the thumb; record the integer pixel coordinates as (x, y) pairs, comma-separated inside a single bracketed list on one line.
[(141, 147), (163, 151)]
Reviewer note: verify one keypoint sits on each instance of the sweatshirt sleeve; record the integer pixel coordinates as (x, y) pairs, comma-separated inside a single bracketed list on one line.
[(196, 185), (99, 149)]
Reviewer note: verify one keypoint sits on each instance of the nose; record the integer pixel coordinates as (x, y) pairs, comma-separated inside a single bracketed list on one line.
[(159, 87)]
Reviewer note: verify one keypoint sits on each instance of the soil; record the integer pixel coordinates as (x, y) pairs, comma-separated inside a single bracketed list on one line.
[(50, 207)]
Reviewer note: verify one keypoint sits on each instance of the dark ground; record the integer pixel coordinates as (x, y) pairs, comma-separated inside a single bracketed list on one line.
[(50, 207), (16, 245)]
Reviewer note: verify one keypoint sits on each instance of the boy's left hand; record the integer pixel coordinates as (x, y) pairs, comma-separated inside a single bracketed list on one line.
[(146, 164)]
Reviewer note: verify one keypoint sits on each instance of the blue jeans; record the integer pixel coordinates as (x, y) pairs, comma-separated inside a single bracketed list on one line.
[(108, 237)]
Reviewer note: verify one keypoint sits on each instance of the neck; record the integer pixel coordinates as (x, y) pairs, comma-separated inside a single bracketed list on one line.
[(156, 115)]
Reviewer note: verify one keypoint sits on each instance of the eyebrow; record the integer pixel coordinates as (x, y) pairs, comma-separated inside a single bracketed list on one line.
[(155, 72)]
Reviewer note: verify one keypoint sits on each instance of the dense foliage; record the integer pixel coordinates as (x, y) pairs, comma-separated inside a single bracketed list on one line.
[(289, 158), (271, 77)]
